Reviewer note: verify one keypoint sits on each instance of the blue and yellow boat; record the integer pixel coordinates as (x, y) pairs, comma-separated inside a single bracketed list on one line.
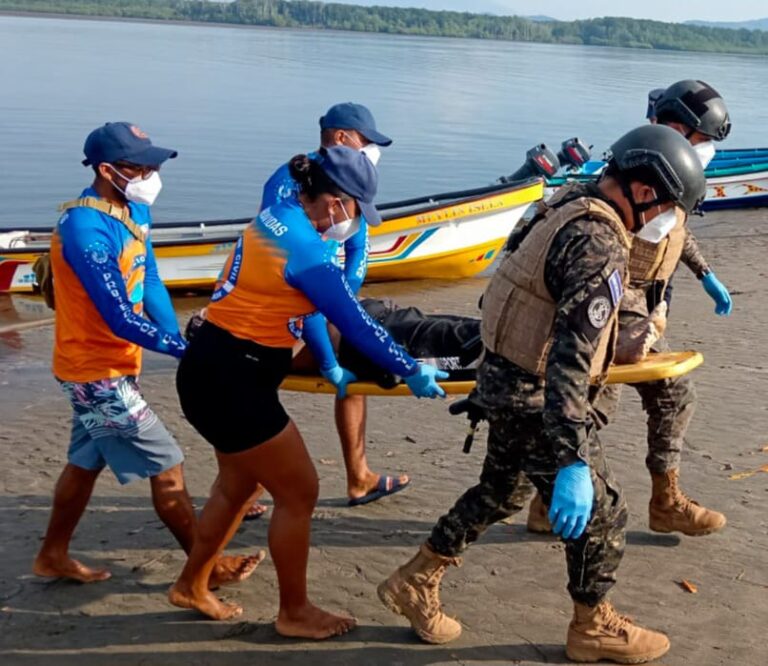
[(736, 178), (449, 235)]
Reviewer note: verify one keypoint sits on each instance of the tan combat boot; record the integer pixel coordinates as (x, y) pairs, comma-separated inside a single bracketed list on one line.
[(538, 518), (600, 633), (671, 511), (414, 591)]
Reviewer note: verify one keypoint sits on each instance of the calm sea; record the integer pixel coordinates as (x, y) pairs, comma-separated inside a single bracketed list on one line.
[(236, 103)]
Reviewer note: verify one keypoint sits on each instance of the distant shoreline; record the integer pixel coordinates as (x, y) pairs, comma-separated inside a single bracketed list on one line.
[(320, 28), (131, 19), (247, 26)]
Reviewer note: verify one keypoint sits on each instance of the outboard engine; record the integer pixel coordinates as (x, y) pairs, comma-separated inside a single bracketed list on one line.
[(539, 161), (574, 154)]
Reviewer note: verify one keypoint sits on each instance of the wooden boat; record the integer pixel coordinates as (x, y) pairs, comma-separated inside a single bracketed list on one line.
[(739, 155), (738, 182), (450, 235), (741, 186)]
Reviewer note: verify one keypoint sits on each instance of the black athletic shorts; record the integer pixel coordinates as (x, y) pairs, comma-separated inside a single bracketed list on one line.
[(228, 389)]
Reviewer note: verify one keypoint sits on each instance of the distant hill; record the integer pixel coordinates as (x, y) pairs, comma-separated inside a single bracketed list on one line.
[(756, 24), (541, 19), (609, 31)]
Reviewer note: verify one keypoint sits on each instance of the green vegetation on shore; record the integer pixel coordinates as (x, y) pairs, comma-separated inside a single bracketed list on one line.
[(624, 32)]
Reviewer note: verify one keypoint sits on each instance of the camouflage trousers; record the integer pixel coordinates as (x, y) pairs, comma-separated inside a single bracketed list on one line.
[(517, 448), (669, 405)]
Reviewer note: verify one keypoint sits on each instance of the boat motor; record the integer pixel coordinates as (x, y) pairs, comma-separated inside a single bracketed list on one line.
[(539, 161), (574, 153)]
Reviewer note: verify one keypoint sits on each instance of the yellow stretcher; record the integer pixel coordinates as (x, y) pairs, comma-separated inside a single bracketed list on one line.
[(655, 367)]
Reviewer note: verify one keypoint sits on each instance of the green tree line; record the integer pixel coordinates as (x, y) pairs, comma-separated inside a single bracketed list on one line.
[(632, 33)]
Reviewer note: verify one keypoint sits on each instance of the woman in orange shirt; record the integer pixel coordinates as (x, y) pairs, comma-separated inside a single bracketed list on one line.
[(279, 278)]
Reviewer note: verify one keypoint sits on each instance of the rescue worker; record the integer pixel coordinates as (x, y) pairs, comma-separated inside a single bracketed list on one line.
[(352, 125), (549, 324), (111, 304), (278, 276), (696, 111)]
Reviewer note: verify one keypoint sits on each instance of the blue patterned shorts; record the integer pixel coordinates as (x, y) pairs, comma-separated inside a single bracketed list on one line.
[(113, 425)]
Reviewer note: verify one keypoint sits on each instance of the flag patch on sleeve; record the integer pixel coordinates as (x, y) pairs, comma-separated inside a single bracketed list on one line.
[(616, 286)]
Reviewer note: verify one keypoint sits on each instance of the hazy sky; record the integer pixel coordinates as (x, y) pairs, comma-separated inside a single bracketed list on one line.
[(663, 10)]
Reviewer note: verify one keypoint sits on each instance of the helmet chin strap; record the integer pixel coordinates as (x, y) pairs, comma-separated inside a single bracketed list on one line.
[(627, 192), (638, 208)]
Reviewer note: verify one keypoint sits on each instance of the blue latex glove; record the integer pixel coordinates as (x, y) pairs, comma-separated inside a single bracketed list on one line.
[(423, 383), (572, 498), (339, 377), (718, 293)]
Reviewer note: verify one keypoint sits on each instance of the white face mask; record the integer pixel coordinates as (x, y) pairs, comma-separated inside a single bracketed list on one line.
[(372, 152), (705, 152), (141, 191), (659, 227), (343, 230)]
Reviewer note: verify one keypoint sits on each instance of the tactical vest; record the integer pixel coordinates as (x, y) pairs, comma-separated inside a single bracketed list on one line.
[(519, 312), (656, 262)]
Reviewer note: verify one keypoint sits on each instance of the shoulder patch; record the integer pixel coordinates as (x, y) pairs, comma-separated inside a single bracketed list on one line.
[(599, 311), (616, 286)]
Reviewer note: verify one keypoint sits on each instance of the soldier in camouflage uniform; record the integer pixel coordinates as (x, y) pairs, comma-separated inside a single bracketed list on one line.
[(550, 320), (697, 111)]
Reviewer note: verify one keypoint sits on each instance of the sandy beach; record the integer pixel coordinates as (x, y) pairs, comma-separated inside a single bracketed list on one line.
[(510, 594)]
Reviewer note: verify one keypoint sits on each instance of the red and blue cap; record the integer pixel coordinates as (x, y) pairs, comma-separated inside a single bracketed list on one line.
[(354, 175), (123, 142)]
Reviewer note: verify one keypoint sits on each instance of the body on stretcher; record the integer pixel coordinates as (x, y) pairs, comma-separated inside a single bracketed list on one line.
[(653, 368)]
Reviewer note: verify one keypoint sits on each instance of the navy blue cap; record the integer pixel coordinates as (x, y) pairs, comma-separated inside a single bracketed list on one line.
[(123, 142), (653, 97), (354, 116), (355, 175)]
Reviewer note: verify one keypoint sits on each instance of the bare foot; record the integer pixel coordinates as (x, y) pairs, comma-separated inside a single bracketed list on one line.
[(231, 569), (68, 568), (362, 488), (208, 604), (313, 622)]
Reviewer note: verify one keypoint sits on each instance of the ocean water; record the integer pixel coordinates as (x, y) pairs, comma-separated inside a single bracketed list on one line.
[(237, 102)]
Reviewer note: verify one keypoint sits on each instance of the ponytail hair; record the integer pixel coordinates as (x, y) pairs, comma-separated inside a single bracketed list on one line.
[(311, 177)]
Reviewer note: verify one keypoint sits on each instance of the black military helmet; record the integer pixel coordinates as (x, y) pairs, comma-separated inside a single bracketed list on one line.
[(669, 156), (697, 105)]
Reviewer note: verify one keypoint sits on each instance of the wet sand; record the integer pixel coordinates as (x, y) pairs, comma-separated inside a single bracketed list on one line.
[(510, 593)]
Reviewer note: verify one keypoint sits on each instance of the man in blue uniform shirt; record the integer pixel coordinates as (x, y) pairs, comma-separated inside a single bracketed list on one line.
[(351, 125)]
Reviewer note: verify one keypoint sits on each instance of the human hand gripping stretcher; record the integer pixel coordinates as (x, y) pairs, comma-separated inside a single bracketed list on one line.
[(423, 384), (637, 339)]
